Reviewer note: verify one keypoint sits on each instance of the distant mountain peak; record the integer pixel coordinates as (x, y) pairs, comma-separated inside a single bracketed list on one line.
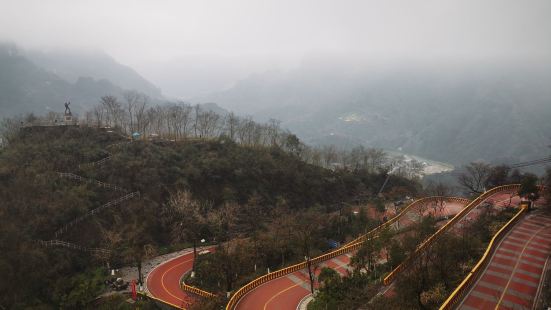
[(26, 87), (70, 65)]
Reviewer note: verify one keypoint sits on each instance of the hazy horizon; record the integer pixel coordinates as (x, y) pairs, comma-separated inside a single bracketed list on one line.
[(209, 45)]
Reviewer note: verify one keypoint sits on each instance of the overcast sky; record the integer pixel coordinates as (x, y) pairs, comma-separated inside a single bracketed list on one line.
[(161, 29), (141, 32)]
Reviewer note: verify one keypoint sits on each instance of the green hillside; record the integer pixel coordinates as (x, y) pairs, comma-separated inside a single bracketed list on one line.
[(35, 202)]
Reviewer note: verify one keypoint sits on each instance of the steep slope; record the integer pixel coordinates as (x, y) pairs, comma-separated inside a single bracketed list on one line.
[(35, 201)]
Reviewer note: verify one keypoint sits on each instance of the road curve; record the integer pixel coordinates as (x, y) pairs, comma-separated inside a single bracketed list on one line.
[(499, 200), (512, 278), (163, 282), (285, 293)]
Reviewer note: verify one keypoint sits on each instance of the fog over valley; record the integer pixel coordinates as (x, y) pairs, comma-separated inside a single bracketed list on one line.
[(452, 81)]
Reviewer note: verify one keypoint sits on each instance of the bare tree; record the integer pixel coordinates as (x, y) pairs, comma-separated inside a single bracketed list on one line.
[(232, 123), (131, 100), (499, 175), (246, 129), (185, 119), (273, 130), (106, 103), (99, 115), (438, 189), (281, 230), (9, 128), (114, 113), (223, 220), (197, 110), (174, 125), (191, 218), (355, 157), (51, 117), (212, 124), (154, 119), (142, 121), (329, 155), (309, 224), (374, 160), (475, 177)]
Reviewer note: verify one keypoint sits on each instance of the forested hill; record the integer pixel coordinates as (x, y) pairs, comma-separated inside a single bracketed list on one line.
[(35, 201)]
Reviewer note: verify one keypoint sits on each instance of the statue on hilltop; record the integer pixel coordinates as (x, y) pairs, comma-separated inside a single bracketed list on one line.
[(67, 109)]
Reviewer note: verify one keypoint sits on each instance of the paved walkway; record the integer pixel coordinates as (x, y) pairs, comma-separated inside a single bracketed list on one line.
[(285, 293), (163, 282), (513, 276), (499, 200), (130, 273)]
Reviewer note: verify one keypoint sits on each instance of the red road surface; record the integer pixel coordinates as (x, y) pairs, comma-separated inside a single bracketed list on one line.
[(499, 200), (513, 276), (163, 282), (287, 292)]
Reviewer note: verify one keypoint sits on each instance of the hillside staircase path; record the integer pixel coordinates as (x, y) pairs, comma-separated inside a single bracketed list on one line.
[(115, 202)]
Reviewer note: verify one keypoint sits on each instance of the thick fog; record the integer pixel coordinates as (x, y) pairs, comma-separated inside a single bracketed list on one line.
[(192, 47)]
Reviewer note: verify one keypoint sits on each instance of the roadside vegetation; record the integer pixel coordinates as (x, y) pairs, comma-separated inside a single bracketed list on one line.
[(433, 276), (427, 283)]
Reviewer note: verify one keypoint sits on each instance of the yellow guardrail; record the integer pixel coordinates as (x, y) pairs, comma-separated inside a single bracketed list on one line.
[(196, 291), (184, 287), (409, 207), (287, 270), (429, 241), (458, 294), (351, 246)]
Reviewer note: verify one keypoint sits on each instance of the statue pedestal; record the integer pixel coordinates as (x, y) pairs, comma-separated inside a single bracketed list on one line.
[(68, 119)]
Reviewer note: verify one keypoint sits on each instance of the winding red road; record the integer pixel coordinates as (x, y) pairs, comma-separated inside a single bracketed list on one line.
[(163, 282), (513, 277), (499, 200), (287, 292)]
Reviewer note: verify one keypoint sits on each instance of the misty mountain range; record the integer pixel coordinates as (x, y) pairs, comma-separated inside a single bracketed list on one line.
[(455, 114), (72, 65), (38, 82)]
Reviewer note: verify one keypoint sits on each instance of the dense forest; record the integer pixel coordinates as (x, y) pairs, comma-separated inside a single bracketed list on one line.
[(245, 185)]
